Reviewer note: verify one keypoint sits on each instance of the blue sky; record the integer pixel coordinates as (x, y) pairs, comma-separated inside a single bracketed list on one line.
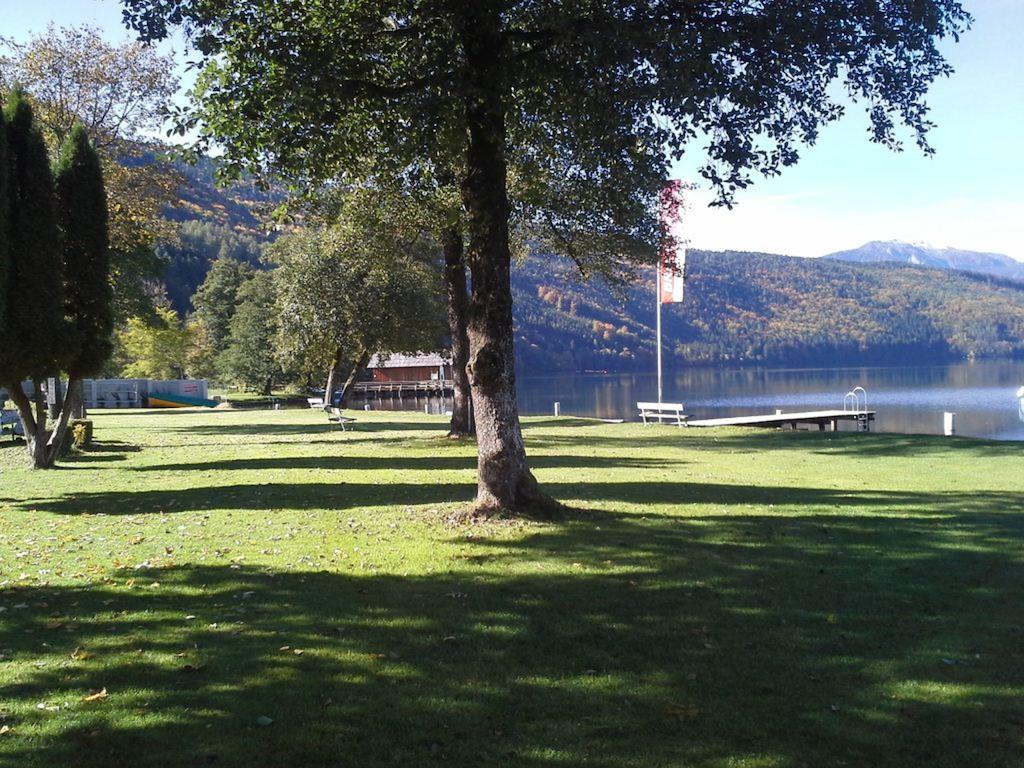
[(845, 191)]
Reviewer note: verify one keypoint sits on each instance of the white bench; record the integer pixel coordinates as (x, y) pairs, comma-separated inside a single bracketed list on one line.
[(317, 403), (339, 418), (662, 412)]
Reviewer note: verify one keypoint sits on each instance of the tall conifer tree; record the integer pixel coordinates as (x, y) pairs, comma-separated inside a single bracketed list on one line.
[(82, 215), (4, 208), (36, 333)]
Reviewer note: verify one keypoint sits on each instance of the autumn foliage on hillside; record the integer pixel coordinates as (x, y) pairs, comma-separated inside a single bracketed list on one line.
[(760, 308)]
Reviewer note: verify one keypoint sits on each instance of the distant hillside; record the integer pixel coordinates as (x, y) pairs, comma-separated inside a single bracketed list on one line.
[(739, 307), (211, 221), (242, 206), (996, 264), (760, 308)]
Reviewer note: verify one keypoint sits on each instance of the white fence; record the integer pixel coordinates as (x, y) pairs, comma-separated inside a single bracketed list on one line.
[(132, 393)]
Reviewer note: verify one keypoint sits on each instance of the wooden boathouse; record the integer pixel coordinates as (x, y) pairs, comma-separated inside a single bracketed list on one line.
[(398, 375)]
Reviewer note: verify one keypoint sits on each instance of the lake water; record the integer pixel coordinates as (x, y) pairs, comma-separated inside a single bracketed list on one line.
[(909, 399)]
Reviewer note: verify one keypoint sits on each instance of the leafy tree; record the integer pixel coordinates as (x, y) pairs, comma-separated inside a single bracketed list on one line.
[(425, 210), (251, 357), (128, 85), (137, 195), (36, 339), (157, 350), (216, 300), (612, 85), (345, 293), (118, 93), (189, 257), (201, 355)]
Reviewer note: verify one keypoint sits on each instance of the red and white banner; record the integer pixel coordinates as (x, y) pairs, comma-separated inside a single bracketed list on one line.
[(672, 260)]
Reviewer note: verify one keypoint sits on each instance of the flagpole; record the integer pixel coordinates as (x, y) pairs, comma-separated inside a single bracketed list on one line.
[(657, 299)]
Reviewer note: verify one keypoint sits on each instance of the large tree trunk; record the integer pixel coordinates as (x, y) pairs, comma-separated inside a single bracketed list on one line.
[(46, 446), (33, 422), (504, 481), (60, 441), (458, 302), (358, 366), (332, 374)]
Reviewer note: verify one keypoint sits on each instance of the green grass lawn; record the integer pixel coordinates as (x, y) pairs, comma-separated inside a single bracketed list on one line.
[(257, 588)]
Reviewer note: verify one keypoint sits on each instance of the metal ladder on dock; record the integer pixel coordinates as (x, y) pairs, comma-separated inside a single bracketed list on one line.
[(852, 403)]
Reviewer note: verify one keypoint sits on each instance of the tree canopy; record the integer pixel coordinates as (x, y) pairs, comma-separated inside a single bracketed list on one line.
[(616, 89), (161, 349), (118, 94), (345, 294), (217, 298), (251, 356)]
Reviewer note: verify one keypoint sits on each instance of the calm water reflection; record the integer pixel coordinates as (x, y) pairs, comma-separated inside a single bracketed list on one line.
[(909, 400)]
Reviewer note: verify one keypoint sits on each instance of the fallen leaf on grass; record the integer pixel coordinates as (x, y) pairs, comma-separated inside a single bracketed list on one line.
[(682, 710), (80, 654), (99, 695), (264, 720), (4, 730)]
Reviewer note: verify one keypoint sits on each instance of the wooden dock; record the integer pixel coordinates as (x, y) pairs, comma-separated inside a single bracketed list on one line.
[(391, 389), (863, 420)]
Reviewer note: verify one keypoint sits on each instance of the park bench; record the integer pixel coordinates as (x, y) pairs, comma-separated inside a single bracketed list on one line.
[(662, 412), (10, 421), (339, 418), (316, 403)]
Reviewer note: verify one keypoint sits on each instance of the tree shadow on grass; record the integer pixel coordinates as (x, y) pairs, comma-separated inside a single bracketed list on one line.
[(284, 497), (830, 640), (280, 497), (426, 463), (317, 428)]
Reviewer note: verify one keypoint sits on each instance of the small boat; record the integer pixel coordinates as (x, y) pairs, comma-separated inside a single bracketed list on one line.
[(161, 400)]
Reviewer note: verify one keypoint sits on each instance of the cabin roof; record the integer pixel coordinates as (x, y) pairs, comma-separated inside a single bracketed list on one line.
[(396, 360)]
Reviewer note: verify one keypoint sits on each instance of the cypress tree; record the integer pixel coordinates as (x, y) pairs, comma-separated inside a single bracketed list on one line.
[(35, 337), (36, 332), (82, 214), (4, 208)]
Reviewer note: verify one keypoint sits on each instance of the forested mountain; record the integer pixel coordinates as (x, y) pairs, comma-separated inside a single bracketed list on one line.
[(754, 308), (872, 305), (187, 259), (243, 206), (210, 221), (916, 254)]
